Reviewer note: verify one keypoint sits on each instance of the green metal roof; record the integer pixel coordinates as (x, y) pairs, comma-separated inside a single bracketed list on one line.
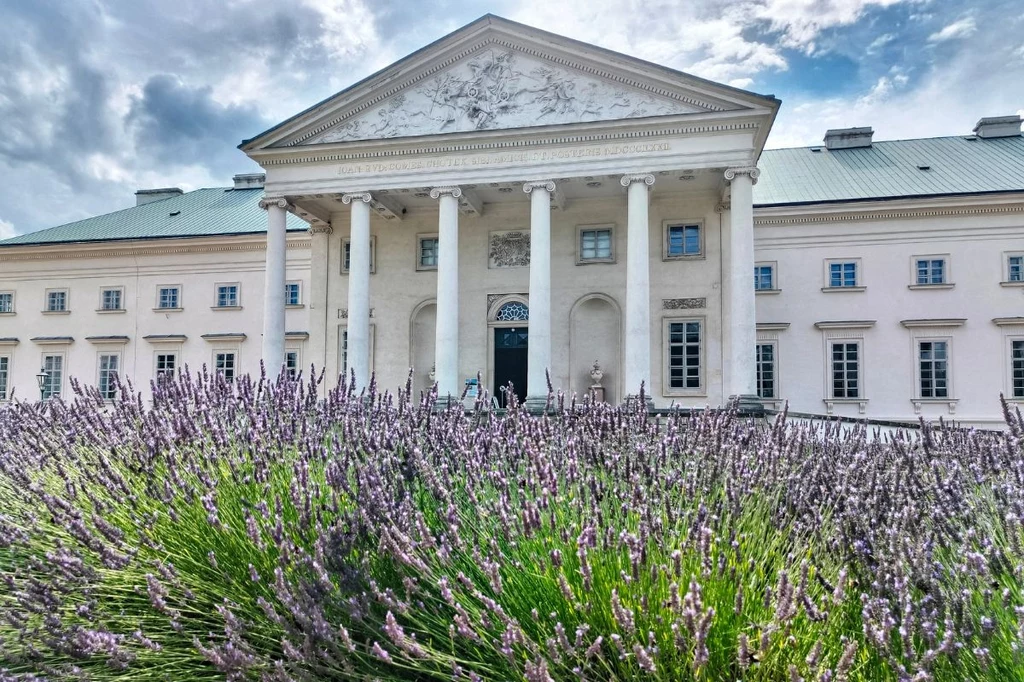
[(202, 213), (891, 169)]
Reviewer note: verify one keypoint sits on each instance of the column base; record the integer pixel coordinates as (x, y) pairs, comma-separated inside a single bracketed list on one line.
[(633, 398), (537, 404), (748, 405)]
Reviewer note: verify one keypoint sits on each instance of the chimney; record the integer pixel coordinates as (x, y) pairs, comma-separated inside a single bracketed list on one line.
[(848, 138), (998, 126), (148, 196), (250, 180)]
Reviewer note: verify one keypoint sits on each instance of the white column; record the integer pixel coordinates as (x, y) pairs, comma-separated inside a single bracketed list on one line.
[(637, 369), (539, 348), (446, 339), (273, 297), (741, 316), (726, 236), (359, 289), (320, 234)]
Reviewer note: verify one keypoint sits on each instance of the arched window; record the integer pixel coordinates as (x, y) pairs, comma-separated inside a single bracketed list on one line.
[(513, 311)]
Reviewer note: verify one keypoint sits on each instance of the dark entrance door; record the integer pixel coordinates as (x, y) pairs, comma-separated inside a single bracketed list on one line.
[(510, 352)]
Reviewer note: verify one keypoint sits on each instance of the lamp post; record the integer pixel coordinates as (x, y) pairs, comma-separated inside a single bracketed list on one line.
[(41, 379)]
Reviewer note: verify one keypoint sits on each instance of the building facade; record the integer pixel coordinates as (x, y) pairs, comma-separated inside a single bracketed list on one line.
[(513, 205)]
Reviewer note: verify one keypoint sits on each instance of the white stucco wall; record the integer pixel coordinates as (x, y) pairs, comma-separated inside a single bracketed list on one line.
[(196, 265)]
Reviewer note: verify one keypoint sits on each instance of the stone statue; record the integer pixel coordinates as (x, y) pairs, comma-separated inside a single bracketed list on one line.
[(596, 374)]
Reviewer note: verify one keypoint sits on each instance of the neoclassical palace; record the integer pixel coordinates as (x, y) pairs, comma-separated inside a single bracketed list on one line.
[(511, 204)]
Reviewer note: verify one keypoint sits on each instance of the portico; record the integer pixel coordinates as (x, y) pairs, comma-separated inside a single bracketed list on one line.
[(481, 167)]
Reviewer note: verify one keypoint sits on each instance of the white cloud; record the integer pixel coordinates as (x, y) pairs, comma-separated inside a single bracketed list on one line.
[(958, 29), (7, 229)]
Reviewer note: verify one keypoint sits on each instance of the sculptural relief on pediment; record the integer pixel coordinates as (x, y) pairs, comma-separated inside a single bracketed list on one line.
[(499, 88)]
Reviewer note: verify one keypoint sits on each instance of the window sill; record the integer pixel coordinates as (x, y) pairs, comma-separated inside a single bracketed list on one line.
[(1012, 284), (767, 292), (861, 403), (295, 306), (110, 311), (685, 393), (10, 314), (595, 261), (922, 287), (426, 268), (56, 312), (225, 307), (695, 256), (918, 402), (167, 310), (834, 290)]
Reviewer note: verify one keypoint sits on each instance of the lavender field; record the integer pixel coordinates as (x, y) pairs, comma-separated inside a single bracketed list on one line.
[(257, 532)]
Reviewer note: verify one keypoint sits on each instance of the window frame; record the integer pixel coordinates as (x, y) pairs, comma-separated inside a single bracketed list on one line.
[(234, 352), (420, 238), (343, 349), (120, 300), (600, 227), (178, 295), (62, 355), (12, 294), (1011, 339), (858, 284), (67, 301), (666, 356), (298, 284), (666, 230), (1007, 280), (774, 345), (107, 395), (157, 371), (831, 369), (293, 372), (947, 274), (774, 267), (216, 296), (5, 376), (918, 378), (345, 250)]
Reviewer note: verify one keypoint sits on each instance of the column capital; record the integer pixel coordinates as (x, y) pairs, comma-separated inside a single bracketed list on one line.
[(723, 206), (438, 192), (280, 202), (321, 228), (753, 171), (348, 198), (630, 178), (549, 185)]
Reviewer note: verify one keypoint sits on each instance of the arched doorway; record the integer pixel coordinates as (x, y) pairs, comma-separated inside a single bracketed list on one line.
[(510, 333)]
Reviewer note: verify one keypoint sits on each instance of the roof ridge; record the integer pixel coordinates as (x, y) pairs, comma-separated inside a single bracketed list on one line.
[(902, 139)]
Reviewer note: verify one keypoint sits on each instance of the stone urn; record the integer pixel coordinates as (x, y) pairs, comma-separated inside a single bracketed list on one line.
[(432, 374), (596, 389)]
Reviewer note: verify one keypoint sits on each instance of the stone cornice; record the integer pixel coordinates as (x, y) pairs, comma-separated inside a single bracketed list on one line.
[(296, 241), (936, 322), (901, 209), (279, 156), (845, 324)]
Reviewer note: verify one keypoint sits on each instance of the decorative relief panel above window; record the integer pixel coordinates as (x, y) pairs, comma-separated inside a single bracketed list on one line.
[(509, 249)]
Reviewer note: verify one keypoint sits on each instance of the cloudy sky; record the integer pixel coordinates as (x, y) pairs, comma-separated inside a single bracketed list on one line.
[(99, 98)]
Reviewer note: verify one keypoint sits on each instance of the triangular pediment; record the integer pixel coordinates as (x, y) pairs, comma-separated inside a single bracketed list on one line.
[(499, 75)]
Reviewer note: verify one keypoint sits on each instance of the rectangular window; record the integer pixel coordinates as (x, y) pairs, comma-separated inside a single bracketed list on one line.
[(291, 363), (227, 296), (292, 294), (5, 373), (595, 244), (108, 368), (56, 301), (930, 270), (845, 369), (6, 302), (1017, 368), (346, 254), (427, 258), (166, 364), (683, 240), (110, 299), (1015, 268), (933, 358), (168, 297), (764, 277), (53, 369), (842, 274), (766, 370), (684, 354), (224, 365)]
